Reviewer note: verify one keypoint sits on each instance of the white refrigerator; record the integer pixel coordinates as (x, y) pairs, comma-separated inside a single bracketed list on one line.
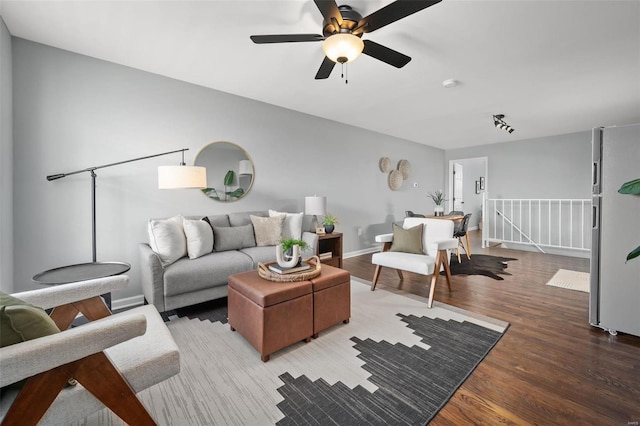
[(614, 300)]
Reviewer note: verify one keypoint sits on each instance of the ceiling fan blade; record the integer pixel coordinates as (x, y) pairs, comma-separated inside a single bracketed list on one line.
[(393, 12), (385, 54), (325, 69), (285, 38), (329, 10)]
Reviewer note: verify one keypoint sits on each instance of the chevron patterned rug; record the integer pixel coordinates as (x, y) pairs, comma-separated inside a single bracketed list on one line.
[(396, 362)]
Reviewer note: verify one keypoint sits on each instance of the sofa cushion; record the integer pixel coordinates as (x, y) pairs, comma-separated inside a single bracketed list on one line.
[(233, 237), (207, 271), (292, 227), (407, 240), (242, 218), (166, 237), (267, 230), (217, 220), (260, 254), (199, 237)]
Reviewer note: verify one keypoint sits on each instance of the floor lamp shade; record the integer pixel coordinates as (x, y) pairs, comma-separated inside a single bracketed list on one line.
[(176, 177), (315, 205)]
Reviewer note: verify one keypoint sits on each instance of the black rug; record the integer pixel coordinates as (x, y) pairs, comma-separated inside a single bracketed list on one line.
[(480, 264)]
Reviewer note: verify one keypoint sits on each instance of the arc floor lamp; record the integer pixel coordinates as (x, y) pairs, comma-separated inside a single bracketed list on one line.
[(169, 177)]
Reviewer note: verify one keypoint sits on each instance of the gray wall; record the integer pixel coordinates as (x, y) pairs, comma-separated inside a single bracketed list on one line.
[(6, 161), (72, 112), (551, 167)]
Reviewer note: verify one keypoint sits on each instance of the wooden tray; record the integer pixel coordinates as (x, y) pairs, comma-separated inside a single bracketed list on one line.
[(265, 272)]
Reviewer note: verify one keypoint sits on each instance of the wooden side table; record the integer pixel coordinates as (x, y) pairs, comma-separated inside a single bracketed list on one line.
[(331, 243)]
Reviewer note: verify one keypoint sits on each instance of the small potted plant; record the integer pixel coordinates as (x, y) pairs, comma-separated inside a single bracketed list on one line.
[(329, 222), (288, 252), (438, 199)]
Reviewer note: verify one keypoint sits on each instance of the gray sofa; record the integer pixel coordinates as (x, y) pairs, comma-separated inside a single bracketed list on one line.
[(190, 281)]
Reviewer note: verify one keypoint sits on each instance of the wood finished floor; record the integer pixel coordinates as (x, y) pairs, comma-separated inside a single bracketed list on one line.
[(551, 367)]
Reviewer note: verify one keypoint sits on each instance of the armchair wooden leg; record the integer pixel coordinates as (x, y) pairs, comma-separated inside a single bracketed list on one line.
[(92, 308), (400, 274), (434, 279), (35, 398), (447, 270), (99, 376), (376, 274)]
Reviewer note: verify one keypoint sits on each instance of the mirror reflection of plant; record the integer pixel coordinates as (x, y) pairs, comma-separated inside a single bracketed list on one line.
[(632, 188), (227, 181), (330, 219)]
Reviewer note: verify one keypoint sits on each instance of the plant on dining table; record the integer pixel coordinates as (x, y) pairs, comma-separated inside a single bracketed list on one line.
[(437, 197)]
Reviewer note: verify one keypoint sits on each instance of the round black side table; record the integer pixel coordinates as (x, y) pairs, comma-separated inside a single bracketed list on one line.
[(82, 272)]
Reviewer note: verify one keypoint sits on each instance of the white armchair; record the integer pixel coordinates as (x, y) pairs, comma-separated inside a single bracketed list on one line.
[(437, 242), (112, 357)]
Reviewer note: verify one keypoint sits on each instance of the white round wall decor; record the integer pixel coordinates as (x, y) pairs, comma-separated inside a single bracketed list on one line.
[(405, 168), (384, 164), (395, 180)]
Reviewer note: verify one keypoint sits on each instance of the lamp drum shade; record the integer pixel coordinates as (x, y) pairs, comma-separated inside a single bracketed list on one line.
[(245, 168), (315, 205), (175, 177)]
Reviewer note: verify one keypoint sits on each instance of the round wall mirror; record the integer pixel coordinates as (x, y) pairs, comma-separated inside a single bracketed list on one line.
[(229, 171)]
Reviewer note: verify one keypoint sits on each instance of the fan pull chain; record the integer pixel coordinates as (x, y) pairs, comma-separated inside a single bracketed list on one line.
[(344, 72)]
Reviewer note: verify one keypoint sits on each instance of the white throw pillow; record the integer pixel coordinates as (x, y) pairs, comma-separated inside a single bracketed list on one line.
[(199, 237), (166, 237), (292, 227)]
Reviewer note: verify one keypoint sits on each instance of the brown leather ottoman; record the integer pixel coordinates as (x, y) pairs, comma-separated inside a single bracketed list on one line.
[(331, 298), (270, 315)]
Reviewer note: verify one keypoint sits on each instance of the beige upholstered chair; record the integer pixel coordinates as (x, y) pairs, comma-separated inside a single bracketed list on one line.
[(437, 242), (112, 357)]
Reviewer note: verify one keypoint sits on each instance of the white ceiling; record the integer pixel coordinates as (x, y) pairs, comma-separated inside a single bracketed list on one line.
[(552, 67)]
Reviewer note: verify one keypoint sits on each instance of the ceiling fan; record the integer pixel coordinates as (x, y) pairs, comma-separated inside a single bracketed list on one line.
[(342, 30)]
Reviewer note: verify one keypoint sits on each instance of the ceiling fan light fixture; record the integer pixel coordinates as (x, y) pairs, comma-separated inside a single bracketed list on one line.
[(342, 47)]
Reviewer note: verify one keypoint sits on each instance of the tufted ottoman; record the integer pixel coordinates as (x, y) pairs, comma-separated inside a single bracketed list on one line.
[(331, 298), (270, 315)]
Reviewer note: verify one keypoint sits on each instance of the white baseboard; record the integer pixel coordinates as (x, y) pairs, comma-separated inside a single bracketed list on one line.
[(361, 252), (127, 302)]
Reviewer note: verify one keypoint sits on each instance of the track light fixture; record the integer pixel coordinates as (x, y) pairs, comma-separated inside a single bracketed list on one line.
[(500, 124)]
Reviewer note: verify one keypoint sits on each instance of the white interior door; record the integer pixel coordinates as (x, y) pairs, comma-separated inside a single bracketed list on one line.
[(458, 187)]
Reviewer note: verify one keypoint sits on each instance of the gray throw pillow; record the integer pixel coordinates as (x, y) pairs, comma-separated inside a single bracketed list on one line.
[(233, 237), (407, 240)]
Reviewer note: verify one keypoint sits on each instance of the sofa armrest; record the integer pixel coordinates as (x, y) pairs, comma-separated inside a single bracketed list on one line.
[(53, 296), (311, 239), (26, 359), (152, 277), (384, 238)]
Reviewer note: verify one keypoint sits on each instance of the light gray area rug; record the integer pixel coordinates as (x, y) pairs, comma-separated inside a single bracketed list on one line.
[(396, 362), (572, 280)]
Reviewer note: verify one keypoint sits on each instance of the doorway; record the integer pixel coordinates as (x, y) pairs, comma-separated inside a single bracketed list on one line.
[(462, 177)]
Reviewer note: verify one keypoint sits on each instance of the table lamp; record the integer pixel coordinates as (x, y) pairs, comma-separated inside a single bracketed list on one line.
[(314, 206)]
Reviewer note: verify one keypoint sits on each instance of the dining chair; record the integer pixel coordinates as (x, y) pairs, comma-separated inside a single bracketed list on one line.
[(456, 213), (460, 231), (409, 213)]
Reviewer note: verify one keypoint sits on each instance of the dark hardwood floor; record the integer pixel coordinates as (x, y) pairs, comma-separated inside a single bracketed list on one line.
[(551, 367)]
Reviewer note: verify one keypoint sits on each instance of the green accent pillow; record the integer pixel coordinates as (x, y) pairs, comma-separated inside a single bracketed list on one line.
[(407, 240), (20, 321)]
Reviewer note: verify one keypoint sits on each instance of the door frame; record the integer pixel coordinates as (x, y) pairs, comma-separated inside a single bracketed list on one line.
[(450, 176)]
